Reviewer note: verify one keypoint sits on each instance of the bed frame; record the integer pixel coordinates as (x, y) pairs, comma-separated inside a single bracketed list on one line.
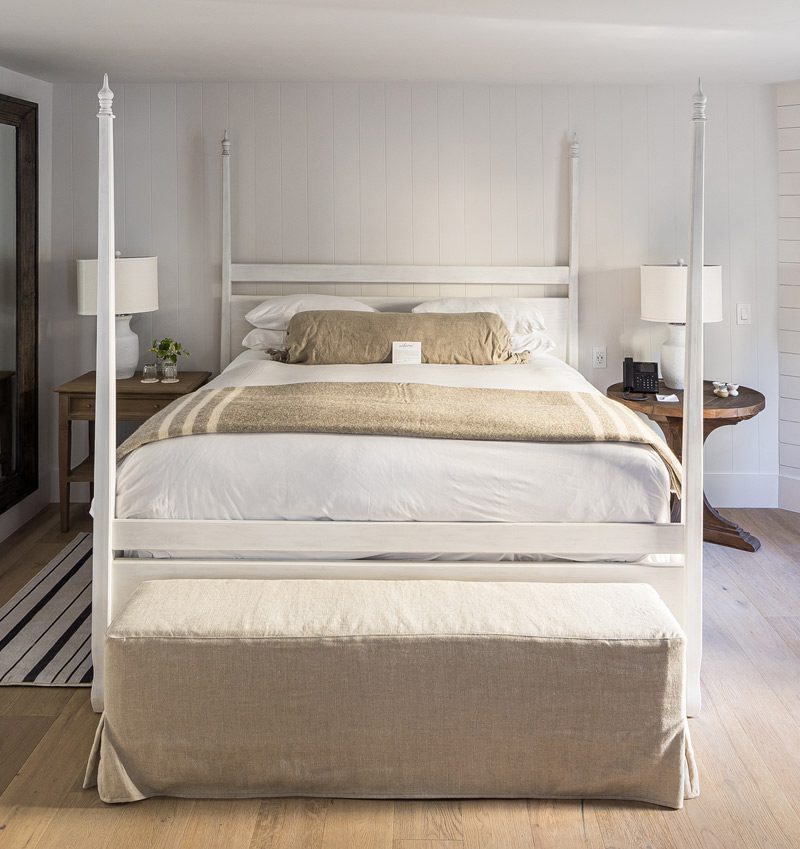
[(677, 578)]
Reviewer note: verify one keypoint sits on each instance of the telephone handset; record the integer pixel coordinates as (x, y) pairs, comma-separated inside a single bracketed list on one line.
[(639, 377)]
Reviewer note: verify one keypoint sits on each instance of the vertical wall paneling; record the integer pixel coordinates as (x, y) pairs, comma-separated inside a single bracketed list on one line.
[(241, 123), (452, 234), (477, 176), (136, 238), (191, 320), (555, 134), (503, 173), (530, 162), (372, 171), (788, 100), (294, 172), (718, 252), (346, 189), (215, 99), (609, 223), (399, 214), (163, 150), (425, 173), (268, 223), (320, 172), (452, 173), (635, 229), (742, 267)]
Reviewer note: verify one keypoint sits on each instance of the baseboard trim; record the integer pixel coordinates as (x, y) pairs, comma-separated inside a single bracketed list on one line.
[(741, 490), (789, 493)]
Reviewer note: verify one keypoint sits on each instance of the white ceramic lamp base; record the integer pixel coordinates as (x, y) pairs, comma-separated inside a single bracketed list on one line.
[(127, 348), (673, 357)]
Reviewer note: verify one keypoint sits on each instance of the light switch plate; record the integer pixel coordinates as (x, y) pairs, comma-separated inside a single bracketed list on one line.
[(743, 314)]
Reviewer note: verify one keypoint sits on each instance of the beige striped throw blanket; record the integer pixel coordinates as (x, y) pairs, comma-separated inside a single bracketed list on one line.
[(404, 409)]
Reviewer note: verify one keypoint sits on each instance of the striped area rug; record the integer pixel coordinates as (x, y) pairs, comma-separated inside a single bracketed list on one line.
[(45, 630)]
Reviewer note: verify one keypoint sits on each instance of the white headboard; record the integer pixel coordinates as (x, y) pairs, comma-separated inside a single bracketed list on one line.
[(400, 287)]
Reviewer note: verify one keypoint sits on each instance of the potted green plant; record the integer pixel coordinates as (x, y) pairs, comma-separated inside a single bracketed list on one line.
[(168, 351)]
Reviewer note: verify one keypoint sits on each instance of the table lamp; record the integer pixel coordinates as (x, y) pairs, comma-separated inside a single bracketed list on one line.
[(136, 290), (664, 299)]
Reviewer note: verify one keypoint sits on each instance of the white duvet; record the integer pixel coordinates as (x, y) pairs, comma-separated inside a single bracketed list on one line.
[(387, 478)]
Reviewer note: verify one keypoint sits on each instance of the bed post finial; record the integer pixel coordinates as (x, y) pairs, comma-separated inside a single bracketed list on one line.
[(106, 97), (700, 100), (226, 143)]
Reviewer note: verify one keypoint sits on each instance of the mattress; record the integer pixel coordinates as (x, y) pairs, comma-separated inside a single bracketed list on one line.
[(345, 477)]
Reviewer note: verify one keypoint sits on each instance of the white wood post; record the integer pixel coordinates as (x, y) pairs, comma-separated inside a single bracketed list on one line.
[(692, 506), (225, 327), (573, 350), (106, 395)]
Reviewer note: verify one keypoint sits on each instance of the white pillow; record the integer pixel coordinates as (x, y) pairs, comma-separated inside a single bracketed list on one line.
[(276, 313), (520, 314), (264, 340), (535, 342)]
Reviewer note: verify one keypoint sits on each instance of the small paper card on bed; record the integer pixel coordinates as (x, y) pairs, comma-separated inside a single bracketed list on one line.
[(407, 353)]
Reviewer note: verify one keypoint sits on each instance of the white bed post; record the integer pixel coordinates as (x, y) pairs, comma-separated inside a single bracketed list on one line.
[(573, 351), (106, 401), (692, 506), (225, 327)]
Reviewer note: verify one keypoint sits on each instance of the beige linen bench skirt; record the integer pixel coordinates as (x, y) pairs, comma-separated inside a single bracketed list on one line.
[(394, 689)]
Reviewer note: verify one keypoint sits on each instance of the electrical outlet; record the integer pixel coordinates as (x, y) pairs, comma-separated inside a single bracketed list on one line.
[(599, 356), (743, 314)]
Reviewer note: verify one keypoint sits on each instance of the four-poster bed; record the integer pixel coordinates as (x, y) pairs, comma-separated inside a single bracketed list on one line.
[(676, 574)]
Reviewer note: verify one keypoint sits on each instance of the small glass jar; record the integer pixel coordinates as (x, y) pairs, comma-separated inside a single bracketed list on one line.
[(150, 373), (169, 372)]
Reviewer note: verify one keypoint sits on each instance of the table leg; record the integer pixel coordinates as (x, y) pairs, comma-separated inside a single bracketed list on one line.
[(64, 459), (723, 531), (716, 528)]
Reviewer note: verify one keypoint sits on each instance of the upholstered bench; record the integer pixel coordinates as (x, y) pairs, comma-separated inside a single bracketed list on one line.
[(394, 689)]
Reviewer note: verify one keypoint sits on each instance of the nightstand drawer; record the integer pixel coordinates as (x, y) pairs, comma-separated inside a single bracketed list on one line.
[(140, 408), (81, 407), (127, 408)]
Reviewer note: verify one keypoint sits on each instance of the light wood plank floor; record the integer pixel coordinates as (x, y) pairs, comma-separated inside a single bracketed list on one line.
[(747, 742)]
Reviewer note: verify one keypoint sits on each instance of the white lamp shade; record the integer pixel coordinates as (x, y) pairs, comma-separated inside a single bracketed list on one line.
[(664, 293), (136, 287)]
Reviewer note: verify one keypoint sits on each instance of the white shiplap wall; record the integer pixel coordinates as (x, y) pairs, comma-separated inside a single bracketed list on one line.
[(789, 291), (430, 173)]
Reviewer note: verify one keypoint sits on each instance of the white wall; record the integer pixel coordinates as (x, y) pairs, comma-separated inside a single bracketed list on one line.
[(28, 88), (429, 173), (789, 297)]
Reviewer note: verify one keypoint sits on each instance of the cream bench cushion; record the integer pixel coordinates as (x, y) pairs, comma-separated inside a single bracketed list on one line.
[(394, 689)]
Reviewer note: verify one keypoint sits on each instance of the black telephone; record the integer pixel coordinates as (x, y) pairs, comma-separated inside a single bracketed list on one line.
[(639, 377)]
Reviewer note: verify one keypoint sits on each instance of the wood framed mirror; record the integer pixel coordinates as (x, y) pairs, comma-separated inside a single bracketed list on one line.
[(19, 229)]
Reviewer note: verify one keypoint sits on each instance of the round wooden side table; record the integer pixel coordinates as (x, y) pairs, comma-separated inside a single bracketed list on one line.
[(716, 413)]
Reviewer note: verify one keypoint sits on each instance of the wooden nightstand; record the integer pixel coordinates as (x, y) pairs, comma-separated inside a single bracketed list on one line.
[(136, 402), (716, 413)]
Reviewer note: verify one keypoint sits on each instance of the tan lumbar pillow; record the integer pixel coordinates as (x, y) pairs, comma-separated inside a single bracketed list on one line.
[(328, 337)]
